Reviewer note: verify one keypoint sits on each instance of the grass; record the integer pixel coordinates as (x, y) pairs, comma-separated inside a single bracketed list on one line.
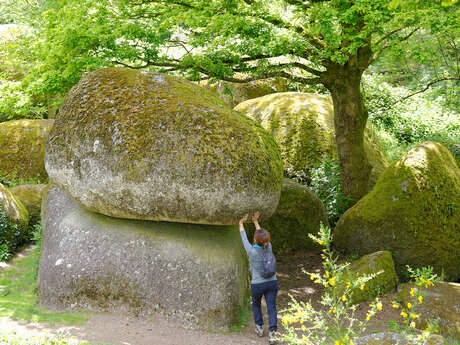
[(42, 339), (18, 294)]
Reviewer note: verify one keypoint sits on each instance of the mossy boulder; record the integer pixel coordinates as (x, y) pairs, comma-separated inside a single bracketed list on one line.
[(413, 212), (144, 145), (22, 149), (235, 93), (440, 302), (298, 214), (372, 264), (195, 274), (14, 219), (31, 197), (303, 126)]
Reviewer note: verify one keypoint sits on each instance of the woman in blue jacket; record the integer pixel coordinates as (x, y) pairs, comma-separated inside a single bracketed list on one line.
[(260, 286)]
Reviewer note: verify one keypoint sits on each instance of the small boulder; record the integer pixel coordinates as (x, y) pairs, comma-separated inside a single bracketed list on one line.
[(303, 126), (22, 149), (235, 93), (31, 197), (411, 212), (299, 213), (371, 264), (440, 302), (143, 145), (195, 274)]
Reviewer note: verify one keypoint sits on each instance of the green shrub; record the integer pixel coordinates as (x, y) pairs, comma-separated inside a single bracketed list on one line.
[(11, 235), (326, 184)]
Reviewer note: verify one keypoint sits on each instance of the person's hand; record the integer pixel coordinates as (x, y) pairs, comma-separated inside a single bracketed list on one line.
[(244, 219), (255, 217)]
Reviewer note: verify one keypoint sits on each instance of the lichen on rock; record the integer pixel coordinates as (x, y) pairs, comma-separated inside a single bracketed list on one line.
[(144, 145), (22, 149), (31, 197), (413, 212), (303, 126), (299, 213)]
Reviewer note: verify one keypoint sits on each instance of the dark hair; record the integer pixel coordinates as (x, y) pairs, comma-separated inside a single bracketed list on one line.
[(262, 238)]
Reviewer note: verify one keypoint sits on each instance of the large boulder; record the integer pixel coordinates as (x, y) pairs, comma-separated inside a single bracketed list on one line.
[(194, 273), (298, 214), (440, 302), (22, 149), (146, 145), (411, 212), (235, 93), (31, 197), (303, 126), (13, 207)]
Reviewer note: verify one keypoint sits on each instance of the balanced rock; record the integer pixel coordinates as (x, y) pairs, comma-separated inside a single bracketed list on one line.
[(299, 213), (145, 145), (196, 274), (411, 212), (22, 149), (303, 126), (31, 197), (235, 93), (440, 302)]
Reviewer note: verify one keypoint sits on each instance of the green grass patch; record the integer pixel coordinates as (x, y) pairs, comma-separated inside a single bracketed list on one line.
[(18, 294)]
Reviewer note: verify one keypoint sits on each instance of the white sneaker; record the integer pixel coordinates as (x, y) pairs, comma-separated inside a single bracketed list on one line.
[(272, 337), (260, 330)]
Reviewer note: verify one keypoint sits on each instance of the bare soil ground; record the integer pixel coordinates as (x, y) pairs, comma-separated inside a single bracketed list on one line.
[(110, 328)]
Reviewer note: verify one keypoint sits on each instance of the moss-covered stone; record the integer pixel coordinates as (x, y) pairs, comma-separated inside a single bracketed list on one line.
[(13, 207), (413, 211), (31, 197), (144, 145), (303, 126), (22, 148), (298, 214), (235, 93), (441, 302), (371, 264), (196, 274)]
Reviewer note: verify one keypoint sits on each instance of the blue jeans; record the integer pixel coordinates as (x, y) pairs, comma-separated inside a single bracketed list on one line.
[(269, 290)]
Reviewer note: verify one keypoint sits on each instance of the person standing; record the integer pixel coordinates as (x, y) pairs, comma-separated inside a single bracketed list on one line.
[(260, 286)]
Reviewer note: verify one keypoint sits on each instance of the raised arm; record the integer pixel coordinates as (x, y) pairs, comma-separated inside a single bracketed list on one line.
[(255, 220), (244, 238)]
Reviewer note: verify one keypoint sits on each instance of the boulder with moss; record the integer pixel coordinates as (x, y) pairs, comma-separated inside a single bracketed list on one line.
[(299, 213), (411, 212), (196, 274), (144, 145), (440, 302), (14, 220), (31, 197), (303, 126), (22, 149), (235, 93), (381, 283)]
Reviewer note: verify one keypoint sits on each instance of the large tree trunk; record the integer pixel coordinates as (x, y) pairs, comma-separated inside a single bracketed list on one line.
[(350, 117)]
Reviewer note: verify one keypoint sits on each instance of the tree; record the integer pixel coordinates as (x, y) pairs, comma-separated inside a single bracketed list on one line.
[(331, 42)]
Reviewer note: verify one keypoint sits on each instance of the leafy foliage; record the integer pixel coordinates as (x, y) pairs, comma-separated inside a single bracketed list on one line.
[(11, 235)]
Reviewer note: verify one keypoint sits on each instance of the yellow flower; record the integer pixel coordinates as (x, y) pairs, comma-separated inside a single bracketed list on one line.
[(412, 292), (362, 286), (395, 305), (420, 299), (379, 306), (313, 276), (327, 274), (344, 298), (412, 324), (403, 314), (348, 284), (334, 310), (317, 281), (332, 281), (414, 316), (409, 305), (304, 328), (321, 242), (353, 308)]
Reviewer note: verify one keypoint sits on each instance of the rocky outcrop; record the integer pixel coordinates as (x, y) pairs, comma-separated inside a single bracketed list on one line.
[(146, 145), (303, 126), (22, 149), (299, 213), (194, 273), (411, 212)]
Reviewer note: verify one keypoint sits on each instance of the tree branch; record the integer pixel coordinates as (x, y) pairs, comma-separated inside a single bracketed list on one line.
[(386, 45), (427, 86)]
